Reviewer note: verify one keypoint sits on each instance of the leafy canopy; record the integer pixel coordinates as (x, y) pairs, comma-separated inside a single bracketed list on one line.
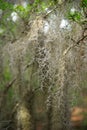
[(10, 14)]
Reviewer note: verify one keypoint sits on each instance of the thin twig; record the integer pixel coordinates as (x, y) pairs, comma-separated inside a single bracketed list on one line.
[(49, 12), (68, 49), (9, 85), (75, 44), (29, 64), (80, 40)]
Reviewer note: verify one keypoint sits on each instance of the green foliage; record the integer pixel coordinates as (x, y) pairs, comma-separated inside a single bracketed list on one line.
[(75, 16), (5, 5), (78, 15), (7, 75), (84, 3), (7, 9), (39, 6), (6, 72), (22, 11)]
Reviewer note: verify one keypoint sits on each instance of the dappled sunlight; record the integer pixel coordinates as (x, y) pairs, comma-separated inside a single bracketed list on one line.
[(65, 24), (24, 4), (46, 27), (14, 16)]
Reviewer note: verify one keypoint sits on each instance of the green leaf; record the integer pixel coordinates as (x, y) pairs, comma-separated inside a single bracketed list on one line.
[(76, 16), (5, 5), (84, 3)]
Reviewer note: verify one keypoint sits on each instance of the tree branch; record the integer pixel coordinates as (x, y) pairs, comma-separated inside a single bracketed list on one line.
[(9, 85), (75, 43)]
